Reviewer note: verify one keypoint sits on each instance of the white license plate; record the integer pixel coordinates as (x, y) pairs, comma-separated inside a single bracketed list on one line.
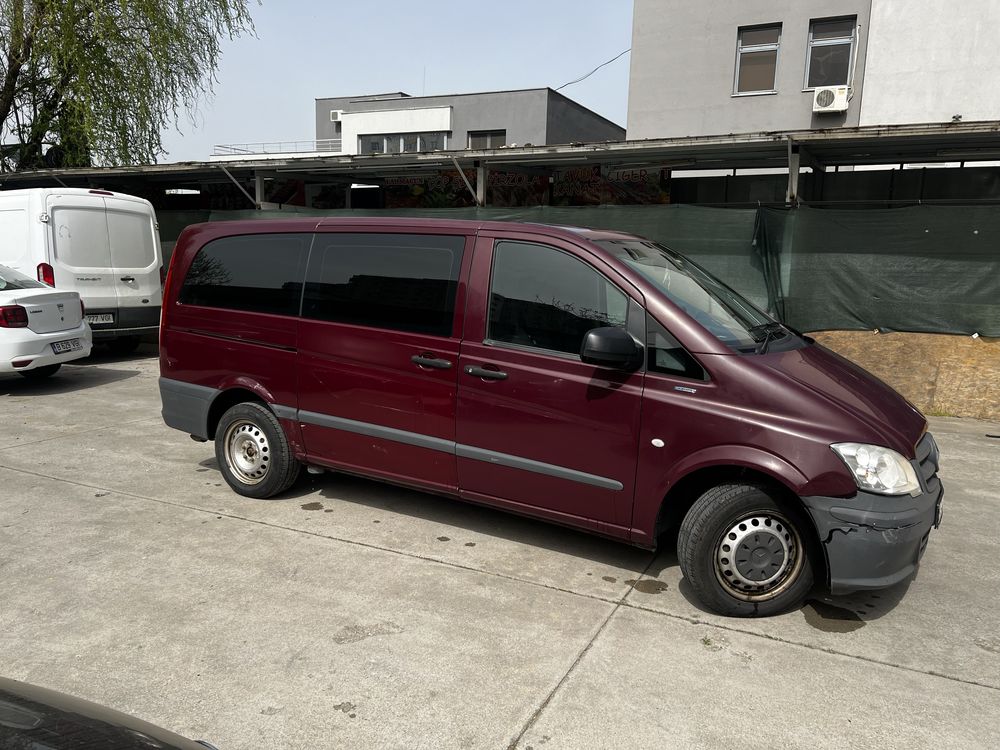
[(61, 347), (106, 318)]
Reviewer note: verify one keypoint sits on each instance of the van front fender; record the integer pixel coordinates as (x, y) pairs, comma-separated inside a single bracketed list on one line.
[(647, 508), (737, 455)]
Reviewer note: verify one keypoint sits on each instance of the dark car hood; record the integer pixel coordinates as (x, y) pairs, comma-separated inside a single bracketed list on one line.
[(852, 390), (31, 716)]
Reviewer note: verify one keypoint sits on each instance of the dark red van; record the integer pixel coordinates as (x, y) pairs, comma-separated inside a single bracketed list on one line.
[(590, 378)]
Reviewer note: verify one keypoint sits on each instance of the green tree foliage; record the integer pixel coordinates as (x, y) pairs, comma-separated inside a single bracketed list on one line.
[(98, 81)]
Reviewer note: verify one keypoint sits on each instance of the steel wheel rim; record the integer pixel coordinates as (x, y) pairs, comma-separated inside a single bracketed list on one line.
[(247, 451), (758, 556)]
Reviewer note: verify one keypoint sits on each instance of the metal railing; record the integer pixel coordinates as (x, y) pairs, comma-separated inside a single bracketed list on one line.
[(331, 145)]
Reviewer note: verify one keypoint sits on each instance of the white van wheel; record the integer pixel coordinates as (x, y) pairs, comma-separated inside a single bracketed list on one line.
[(253, 453)]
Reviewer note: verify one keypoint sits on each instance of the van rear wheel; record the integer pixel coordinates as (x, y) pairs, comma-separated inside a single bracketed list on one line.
[(744, 553), (253, 453)]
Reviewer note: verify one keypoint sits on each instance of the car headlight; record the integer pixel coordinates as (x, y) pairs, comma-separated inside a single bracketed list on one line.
[(878, 469)]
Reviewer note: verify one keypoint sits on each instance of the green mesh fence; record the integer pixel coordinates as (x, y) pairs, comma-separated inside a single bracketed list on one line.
[(932, 269)]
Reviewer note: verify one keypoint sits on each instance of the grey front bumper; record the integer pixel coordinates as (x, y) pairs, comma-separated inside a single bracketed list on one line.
[(873, 541)]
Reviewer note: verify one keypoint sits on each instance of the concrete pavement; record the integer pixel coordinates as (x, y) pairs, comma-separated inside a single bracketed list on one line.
[(352, 614)]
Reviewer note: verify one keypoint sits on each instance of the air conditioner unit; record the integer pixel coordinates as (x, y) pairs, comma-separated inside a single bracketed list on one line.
[(830, 99), (335, 115)]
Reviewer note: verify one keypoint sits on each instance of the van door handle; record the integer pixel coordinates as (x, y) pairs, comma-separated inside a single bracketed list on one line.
[(482, 372), (425, 361), (128, 279)]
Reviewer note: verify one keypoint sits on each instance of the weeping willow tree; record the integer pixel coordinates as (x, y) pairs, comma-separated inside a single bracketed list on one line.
[(98, 81)]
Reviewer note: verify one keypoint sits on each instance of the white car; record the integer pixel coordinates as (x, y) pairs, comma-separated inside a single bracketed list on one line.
[(40, 327)]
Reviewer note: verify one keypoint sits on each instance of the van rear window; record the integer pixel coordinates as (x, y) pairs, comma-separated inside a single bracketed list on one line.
[(131, 237), (81, 236), (404, 282), (257, 273)]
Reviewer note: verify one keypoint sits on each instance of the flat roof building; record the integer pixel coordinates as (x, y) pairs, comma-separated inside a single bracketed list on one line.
[(731, 66), (399, 123)]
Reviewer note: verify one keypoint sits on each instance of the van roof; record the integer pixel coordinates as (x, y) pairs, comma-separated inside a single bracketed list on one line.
[(252, 226), (69, 191)]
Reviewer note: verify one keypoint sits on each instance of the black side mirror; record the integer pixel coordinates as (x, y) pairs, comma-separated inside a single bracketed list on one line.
[(611, 347)]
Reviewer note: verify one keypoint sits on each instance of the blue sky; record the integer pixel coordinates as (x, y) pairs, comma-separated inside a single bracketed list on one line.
[(306, 49)]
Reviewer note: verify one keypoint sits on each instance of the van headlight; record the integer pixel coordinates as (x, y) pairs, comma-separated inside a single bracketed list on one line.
[(878, 469)]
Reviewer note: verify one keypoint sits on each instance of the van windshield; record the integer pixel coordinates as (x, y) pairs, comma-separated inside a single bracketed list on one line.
[(724, 313), (11, 279)]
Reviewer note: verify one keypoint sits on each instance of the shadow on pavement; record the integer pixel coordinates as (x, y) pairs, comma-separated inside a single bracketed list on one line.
[(828, 613), (102, 354), (340, 488), (69, 379)]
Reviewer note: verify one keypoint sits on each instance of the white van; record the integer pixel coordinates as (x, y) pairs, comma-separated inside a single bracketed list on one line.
[(101, 244)]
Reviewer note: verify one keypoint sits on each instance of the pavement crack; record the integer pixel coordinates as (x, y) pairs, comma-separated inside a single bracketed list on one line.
[(822, 649), (316, 534), (65, 435), (579, 657), (617, 602)]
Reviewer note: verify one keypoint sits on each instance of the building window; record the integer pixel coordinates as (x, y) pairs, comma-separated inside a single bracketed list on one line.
[(433, 141), (480, 139), (756, 59), (831, 52), (402, 143)]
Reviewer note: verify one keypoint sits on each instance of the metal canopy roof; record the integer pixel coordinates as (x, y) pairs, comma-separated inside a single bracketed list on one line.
[(892, 144)]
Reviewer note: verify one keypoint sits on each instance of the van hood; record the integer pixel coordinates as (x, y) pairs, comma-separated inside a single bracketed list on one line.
[(841, 385)]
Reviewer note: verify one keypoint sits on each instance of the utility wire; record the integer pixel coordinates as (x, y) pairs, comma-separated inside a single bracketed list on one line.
[(583, 78)]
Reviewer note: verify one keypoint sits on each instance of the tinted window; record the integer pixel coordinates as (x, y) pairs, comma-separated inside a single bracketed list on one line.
[(666, 354), (257, 272), (548, 299), (406, 282)]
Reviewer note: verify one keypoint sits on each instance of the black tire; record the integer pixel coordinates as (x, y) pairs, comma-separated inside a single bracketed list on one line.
[(253, 453), (775, 573), (124, 345), (40, 373)]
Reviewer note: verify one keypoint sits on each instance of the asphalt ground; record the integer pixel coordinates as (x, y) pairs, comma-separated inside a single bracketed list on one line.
[(352, 614)]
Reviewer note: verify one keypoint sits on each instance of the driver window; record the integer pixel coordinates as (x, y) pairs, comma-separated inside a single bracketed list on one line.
[(547, 299)]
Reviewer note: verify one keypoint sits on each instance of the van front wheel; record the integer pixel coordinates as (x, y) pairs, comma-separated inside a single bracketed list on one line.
[(253, 453), (744, 553)]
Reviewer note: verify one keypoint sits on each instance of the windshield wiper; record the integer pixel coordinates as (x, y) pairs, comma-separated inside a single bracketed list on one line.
[(771, 332)]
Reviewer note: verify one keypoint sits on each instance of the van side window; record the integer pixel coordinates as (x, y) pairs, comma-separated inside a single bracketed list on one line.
[(545, 298), (404, 282), (256, 272), (666, 354)]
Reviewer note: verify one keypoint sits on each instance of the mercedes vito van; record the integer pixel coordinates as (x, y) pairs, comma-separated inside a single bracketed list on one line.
[(591, 378), (103, 245)]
